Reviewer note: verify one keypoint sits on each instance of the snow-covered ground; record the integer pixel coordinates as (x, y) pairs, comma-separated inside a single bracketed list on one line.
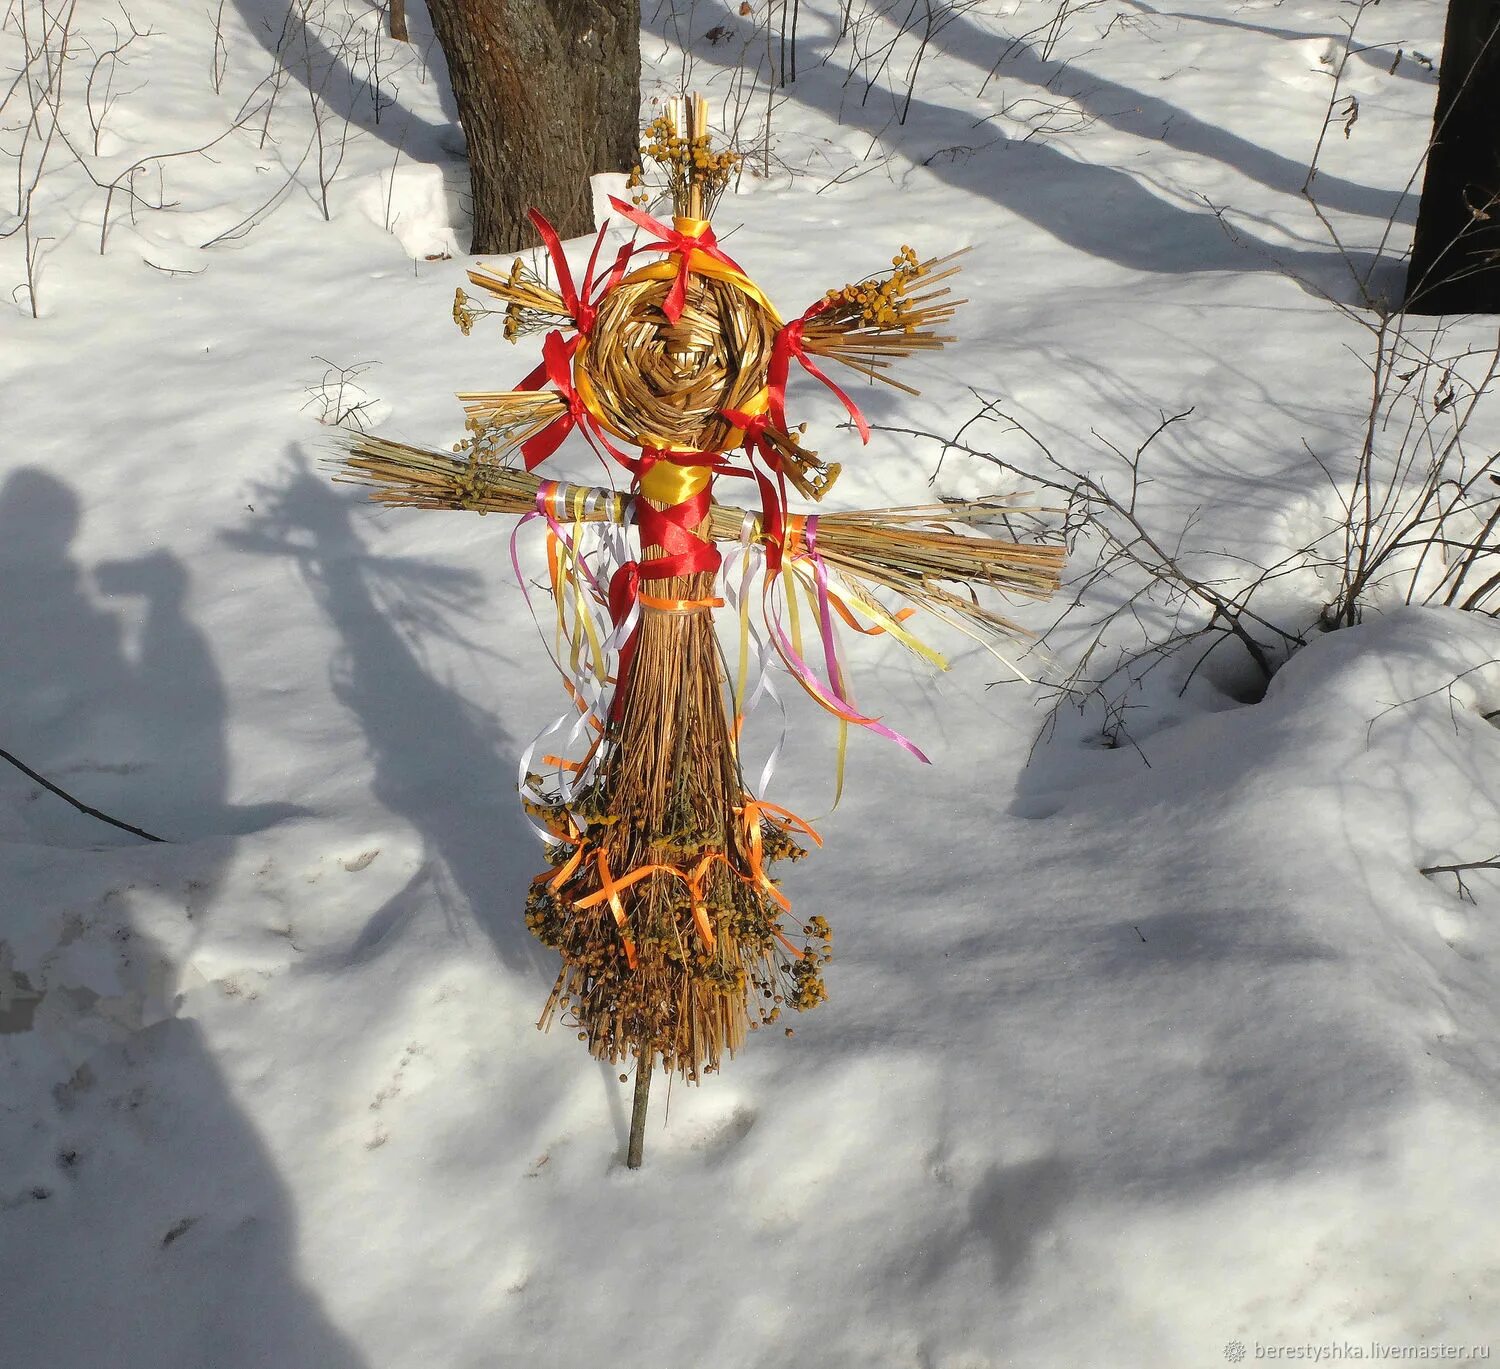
[(1148, 1055)]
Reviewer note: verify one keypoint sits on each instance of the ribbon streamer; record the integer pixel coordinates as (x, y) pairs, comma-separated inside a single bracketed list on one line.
[(789, 344)]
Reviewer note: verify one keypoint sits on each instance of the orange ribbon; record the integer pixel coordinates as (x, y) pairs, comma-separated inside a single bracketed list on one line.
[(610, 889), (677, 605), (753, 813)]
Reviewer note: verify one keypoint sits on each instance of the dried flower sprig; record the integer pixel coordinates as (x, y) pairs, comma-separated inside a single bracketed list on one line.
[(680, 145), (880, 302), (501, 420), (873, 322), (531, 305), (467, 312), (809, 476)]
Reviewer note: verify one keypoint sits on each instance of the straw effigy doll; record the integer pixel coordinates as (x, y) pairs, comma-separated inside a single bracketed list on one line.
[(675, 936)]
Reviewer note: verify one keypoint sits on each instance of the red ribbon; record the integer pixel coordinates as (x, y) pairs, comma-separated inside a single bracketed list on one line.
[(581, 309), (557, 366), (788, 344), (624, 586), (772, 497), (670, 530), (616, 272), (683, 245)]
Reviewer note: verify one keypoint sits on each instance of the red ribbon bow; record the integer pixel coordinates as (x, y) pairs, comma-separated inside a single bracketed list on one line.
[(683, 245), (580, 307), (788, 344), (557, 366)]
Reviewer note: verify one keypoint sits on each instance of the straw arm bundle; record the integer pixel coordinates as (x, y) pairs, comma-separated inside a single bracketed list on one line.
[(874, 323), (912, 551)]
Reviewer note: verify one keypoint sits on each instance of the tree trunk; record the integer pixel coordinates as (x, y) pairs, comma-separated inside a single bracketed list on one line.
[(398, 22), (548, 93), (1455, 257)]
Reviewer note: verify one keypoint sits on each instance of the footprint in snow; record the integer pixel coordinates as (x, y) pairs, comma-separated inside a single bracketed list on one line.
[(709, 1136)]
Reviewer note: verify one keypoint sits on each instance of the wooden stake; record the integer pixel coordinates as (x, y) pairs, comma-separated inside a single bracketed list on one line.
[(644, 1065)]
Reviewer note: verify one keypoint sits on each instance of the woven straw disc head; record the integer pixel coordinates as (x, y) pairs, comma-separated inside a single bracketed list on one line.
[(662, 384)]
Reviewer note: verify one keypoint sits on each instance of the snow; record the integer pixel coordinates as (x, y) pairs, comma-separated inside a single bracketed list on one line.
[(1131, 1053)]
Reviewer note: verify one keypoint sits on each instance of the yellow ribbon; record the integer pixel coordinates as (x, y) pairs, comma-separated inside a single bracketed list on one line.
[(670, 483)]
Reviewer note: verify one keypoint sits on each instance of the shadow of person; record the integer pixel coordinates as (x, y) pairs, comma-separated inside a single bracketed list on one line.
[(145, 1220), (140, 739), (157, 1234), (62, 668), (440, 763), (177, 700)]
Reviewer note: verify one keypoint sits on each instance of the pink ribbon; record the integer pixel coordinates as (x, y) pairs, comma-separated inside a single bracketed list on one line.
[(833, 696)]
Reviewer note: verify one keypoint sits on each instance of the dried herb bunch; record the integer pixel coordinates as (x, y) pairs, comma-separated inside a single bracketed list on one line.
[(660, 899), (809, 476), (870, 324), (500, 420), (680, 145), (531, 305)]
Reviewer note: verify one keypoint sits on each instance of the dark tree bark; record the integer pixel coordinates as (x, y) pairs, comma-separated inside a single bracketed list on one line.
[(548, 93), (398, 22), (1455, 257)]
